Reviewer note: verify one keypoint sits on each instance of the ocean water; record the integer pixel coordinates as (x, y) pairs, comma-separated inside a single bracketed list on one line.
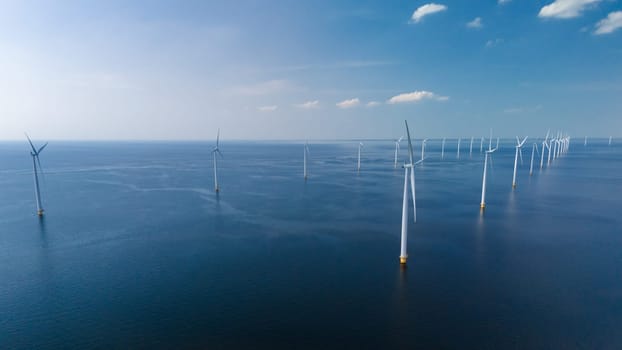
[(137, 251)]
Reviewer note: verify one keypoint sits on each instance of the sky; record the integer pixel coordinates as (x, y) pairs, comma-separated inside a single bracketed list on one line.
[(308, 69)]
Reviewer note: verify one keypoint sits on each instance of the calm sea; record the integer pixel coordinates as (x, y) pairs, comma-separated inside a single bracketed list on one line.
[(137, 251)]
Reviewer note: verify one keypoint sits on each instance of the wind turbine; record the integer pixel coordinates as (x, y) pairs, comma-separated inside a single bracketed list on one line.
[(215, 153), (481, 145), (489, 153), (609, 140), (519, 150), (497, 143), (411, 166), (397, 149), (545, 143), (305, 153), (533, 150), (36, 161), (358, 162), (423, 144), (471, 148), (443, 149), (585, 142), (458, 150)]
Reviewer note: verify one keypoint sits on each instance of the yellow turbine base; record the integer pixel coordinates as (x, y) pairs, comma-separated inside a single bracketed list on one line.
[(403, 260), (482, 206), (40, 212)]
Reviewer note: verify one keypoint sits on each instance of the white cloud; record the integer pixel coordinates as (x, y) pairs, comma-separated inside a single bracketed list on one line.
[(565, 8), (267, 108), (427, 9), (309, 104), (416, 96), (349, 103), (609, 24), (373, 104), (493, 43), (503, 2), (476, 23)]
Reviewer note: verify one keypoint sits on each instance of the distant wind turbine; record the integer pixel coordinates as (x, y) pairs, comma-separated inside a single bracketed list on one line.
[(481, 145), (471, 148), (397, 150), (458, 149), (305, 153), (36, 161), (585, 142), (358, 163), (443, 149), (533, 150), (215, 153), (609, 140), (489, 153), (519, 150), (423, 144), (410, 166)]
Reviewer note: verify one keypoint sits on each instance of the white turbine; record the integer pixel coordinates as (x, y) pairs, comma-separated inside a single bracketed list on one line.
[(609, 140), (533, 150), (497, 143), (545, 144), (481, 145), (443, 149), (423, 144), (482, 204), (585, 142), (215, 153), (410, 166), (471, 148), (358, 163), (519, 150), (397, 150), (36, 161), (458, 149), (305, 153)]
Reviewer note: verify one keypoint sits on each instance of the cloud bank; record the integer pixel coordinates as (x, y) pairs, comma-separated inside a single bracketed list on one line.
[(416, 96), (309, 104), (427, 9), (565, 8), (609, 24), (349, 103)]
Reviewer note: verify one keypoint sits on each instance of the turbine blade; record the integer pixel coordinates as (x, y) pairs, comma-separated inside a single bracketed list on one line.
[(412, 190), (218, 138), (520, 153), (31, 145), (42, 147), (517, 141), (219, 153), (410, 145)]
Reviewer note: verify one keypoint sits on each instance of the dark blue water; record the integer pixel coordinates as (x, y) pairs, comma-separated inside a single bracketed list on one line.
[(137, 251)]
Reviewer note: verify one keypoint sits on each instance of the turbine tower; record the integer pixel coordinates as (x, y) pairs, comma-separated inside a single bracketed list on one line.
[(471, 148), (36, 161), (215, 153), (410, 166), (443, 149), (458, 149), (397, 150), (519, 150), (358, 163), (305, 153), (423, 144), (489, 153), (534, 149)]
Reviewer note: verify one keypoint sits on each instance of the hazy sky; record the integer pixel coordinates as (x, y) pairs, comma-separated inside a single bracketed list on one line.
[(308, 69)]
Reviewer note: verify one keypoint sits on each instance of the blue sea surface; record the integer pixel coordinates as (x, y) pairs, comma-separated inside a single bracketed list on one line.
[(136, 250)]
